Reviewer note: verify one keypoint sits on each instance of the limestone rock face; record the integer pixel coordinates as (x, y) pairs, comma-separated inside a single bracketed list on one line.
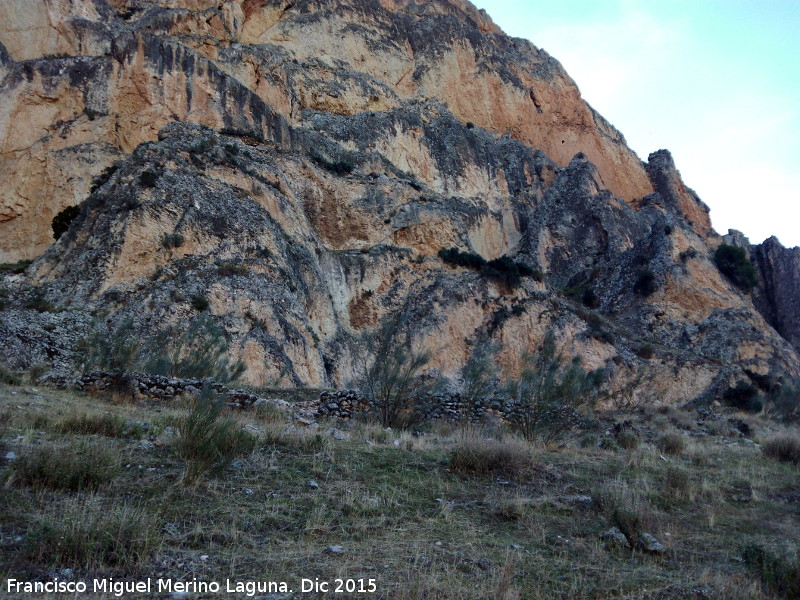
[(83, 81), (286, 173), (778, 296)]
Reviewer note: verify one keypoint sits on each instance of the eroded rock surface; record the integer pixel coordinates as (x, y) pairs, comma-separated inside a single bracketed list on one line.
[(289, 172)]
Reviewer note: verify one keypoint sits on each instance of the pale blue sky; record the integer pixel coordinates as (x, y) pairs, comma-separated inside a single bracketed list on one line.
[(716, 82)]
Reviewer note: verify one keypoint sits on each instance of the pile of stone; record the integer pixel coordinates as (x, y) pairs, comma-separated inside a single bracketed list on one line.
[(347, 404), (158, 387), (342, 404)]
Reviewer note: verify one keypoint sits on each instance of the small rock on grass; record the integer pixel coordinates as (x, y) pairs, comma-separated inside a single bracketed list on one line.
[(651, 544), (334, 549), (614, 537)]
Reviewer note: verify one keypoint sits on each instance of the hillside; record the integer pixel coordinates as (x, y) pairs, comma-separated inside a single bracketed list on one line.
[(94, 492)]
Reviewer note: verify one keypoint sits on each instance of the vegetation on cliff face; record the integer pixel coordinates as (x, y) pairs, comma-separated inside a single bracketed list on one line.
[(736, 266)]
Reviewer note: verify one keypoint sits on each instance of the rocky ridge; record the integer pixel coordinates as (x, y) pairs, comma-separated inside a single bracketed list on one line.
[(297, 196)]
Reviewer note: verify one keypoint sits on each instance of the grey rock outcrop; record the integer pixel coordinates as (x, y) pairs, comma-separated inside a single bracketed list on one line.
[(778, 295), (287, 173)]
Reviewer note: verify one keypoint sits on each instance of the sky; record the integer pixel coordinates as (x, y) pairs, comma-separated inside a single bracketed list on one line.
[(716, 82)]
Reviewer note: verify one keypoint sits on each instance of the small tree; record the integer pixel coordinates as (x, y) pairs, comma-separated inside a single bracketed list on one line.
[(734, 263), (479, 374), (544, 401), (198, 352), (114, 350), (207, 441), (393, 379)]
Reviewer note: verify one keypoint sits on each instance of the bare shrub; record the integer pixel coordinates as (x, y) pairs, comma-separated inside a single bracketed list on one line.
[(671, 443), (393, 380), (784, 448), (475, 457), (207, 441), (546, 399)]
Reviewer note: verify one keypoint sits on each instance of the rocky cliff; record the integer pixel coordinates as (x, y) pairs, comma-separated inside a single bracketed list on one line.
[(289, 171)]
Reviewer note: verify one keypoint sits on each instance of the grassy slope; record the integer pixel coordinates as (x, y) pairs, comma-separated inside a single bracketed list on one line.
[(392, 503)]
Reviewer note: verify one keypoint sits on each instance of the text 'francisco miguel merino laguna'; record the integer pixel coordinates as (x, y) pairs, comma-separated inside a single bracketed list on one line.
[(120, 588)]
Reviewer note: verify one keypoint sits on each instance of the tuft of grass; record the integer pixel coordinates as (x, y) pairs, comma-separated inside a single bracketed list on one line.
[(482, 458), (671, 443), (9, 377), (106, 424), (300, 440), (783, 448), (781, 574), (269, 413), (626, 506), (207, 441), (87, 533), (72, 466), (627, 440), (678, 481)]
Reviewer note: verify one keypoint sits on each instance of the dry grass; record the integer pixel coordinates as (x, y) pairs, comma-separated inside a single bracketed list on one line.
[(72, 466), (784, 448), (403, 516), (482, 458), (87, 531), (671, 443)]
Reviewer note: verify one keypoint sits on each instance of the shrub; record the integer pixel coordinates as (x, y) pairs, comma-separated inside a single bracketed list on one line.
[(229, 268), (671, 443), (75, 466), (527, 271), (38, 301), (200, 302), (687, 254), (744, 397), (392, 380), (453, 256), (628, 439), (645, 283), (115, 350), (103, 178), (626, 507), (301, 440), (677, 480), (197, 351), (491, 458), (15, 268), (172, 240), (86, 534), (734, 263), (785, 448), (645, 351), (106, 424), (783, 402), (9, 377), (479, 374), (148, 178), (63, 219), (343, 165), (208, 442), (267, 412), (504, 270), (544, 401), (781, 574)]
